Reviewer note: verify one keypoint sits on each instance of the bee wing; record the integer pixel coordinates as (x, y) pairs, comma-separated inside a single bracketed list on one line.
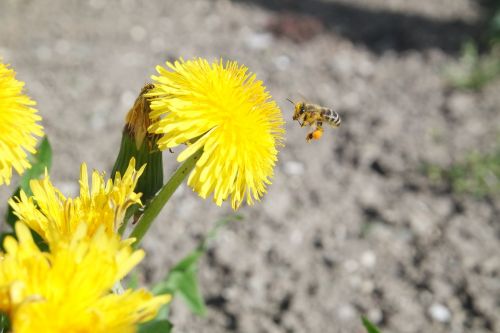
[(312, 108)]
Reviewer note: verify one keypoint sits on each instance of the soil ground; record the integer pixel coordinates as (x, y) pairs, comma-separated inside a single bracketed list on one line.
[(350, 225)]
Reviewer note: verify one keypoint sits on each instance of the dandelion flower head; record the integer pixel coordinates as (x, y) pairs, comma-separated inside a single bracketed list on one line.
[(18, 125), (104, 203), (224, 110), (68, 288)]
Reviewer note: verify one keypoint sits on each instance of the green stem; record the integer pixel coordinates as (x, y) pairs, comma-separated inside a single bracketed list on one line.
[(156, 204)]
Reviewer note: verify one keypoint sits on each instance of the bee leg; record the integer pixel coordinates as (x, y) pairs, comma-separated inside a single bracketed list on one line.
[(317, 134), (309, 137), (302, 124)]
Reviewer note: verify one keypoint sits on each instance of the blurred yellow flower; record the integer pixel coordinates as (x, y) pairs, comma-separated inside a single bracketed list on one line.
[(68, 288), (222, 108), (102, 204), (18, 125)]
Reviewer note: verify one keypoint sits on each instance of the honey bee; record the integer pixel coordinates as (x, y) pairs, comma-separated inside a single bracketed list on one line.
[(314, 115)]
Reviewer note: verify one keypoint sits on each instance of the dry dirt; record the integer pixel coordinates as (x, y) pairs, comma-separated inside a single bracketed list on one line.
[(350, 225)]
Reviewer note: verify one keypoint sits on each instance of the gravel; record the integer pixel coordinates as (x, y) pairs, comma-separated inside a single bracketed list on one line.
[(350, 226)]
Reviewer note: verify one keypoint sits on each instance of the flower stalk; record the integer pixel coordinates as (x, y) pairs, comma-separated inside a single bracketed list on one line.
[(154, 207)]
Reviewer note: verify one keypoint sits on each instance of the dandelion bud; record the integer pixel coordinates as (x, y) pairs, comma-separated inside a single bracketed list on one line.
[(138, 143)]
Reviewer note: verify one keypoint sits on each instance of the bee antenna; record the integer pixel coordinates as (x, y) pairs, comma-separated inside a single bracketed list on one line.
[(288, 99)]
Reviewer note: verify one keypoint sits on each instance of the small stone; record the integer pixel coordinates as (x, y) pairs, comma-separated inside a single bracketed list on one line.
[(368, 259), (346, 312), (282, 62), (259, 41), (296, 237), (294, 168), (127, 98), (375, 315), (440, 313)]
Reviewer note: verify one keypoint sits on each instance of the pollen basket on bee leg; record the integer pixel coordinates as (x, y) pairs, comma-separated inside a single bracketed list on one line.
[(317, 134)]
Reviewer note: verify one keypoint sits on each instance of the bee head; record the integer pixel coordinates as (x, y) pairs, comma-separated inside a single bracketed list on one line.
[(299, 110)]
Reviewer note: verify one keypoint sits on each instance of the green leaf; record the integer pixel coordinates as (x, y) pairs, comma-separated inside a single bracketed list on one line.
[(182, 279), (156, 326), (39, 162), (370, 327), (4, 323), (133, 280), (188, 288)]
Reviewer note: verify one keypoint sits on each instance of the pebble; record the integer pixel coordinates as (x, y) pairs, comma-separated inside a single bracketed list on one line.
[(375, 315), (368, 259), (296, 237), (346, 312), (440, 313), (259, 41), (282, 62), (294, 168), (127, 98)]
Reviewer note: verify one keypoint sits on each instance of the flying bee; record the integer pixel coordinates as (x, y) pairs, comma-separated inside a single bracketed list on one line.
[(314, 115)]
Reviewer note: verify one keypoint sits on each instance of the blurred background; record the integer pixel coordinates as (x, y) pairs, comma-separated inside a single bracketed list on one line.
[(395, 215)]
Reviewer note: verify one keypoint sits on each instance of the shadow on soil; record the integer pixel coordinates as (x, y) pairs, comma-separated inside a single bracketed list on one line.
[(379, 30)]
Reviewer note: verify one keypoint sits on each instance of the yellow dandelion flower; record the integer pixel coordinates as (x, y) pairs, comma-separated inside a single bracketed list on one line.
[(18, 125), (68, 288), (102, 204), (225, 110)]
